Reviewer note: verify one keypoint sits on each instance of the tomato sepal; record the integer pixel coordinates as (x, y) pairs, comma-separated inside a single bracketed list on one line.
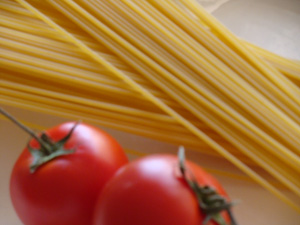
[(209, 201), (39, 157), (217, 218), (49, 150)]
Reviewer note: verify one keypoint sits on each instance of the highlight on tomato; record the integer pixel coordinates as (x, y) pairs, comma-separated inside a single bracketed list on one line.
[(58, 176), (163, 189)]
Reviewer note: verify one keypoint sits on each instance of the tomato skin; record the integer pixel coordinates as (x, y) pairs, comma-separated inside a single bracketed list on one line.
[(151, 191), (64, 190)]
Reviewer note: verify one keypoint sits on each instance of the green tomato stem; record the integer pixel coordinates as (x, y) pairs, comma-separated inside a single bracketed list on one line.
[(26, 129), (48, 149), (209, 201)]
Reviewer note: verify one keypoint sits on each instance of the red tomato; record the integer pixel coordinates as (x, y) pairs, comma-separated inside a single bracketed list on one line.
[(152, 191), (64, 190)]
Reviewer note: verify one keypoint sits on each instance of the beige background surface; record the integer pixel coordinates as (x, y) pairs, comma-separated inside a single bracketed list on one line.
[(272, 24)]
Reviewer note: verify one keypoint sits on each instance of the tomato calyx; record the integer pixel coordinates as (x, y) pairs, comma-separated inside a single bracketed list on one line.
[(209, 201), (49, 150)]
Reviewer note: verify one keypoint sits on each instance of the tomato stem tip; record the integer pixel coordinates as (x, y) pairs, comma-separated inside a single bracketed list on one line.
[(25, 128), (48, 149), (209, 201)]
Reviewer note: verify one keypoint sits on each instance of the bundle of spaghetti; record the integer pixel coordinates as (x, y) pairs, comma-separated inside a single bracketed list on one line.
[(17, 56), (35, 88), (162, 69)]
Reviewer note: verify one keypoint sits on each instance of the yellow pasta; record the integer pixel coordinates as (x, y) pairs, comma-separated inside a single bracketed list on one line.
[(166, 70)]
